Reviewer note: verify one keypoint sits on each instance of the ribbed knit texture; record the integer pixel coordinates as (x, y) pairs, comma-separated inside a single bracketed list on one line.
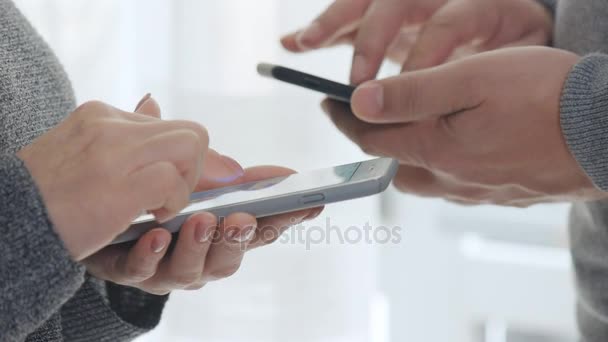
[(584, 116), (36, 274), (44, 295), (123, 315)]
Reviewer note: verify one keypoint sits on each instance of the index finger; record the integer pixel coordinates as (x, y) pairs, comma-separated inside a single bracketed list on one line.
[(455, 24), (340, 18), (380, 27)]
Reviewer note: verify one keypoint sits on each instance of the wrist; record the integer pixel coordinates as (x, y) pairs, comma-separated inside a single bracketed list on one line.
[(52, 207)]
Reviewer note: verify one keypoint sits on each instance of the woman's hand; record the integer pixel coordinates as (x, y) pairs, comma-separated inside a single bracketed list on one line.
[(102, 167), (422, 33), (481, 130), (205, 249)]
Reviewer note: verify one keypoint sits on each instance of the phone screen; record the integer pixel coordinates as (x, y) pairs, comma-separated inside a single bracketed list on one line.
[(277, 186), (270, 188)]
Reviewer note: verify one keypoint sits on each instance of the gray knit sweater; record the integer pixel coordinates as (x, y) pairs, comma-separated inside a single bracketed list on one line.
[(44, 295), (581, 26)]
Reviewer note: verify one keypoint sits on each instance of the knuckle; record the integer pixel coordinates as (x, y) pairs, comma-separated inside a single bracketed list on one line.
[(196, 286), (224, 272), (193, 144), (136, 274), (91, 106), (201, 133), (186, 279), (92, 110)]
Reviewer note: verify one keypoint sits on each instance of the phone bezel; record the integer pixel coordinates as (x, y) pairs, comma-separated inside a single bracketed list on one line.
[(370, 170)]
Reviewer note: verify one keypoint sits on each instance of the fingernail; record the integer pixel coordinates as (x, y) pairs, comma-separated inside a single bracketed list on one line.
[(228, 170), (359, 72), (158, 245), (143, 101), (201, 233), (368, 100), (310, 36), (245, 235)]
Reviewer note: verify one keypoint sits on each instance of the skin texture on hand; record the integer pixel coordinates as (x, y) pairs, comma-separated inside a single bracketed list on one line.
[(421, 33), (102, 167), (207, 248), (481, 130)]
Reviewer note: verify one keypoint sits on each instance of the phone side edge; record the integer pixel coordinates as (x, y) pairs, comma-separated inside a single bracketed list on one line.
[(266, 69), (272, 206)]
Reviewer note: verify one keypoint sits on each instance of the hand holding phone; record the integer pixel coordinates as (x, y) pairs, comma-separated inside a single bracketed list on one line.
[(280, 195)]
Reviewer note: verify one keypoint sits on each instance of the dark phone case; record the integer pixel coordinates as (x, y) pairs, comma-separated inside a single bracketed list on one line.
[(334, 90)]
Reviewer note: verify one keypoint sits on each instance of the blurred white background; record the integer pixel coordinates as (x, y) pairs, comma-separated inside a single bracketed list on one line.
[(458, 274)]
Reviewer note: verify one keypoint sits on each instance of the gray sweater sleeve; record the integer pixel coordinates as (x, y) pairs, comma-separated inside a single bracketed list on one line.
[(37, 275), (584, 116), (584, 120), (102, 311)]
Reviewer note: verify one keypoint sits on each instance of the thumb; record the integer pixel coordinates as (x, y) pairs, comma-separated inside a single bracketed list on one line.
[(148, 106), (420, 95)]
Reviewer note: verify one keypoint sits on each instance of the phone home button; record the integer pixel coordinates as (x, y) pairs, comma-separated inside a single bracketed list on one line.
[(310, 199)]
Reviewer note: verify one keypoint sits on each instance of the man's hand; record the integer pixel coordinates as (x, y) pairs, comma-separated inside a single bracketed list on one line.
[(485, 129), (422, 33), (205, 249)]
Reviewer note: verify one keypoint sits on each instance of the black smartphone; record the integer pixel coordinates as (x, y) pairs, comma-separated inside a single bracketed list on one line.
[(334, 90)]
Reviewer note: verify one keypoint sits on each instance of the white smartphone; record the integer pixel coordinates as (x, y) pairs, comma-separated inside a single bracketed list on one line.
[(280, 195)]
